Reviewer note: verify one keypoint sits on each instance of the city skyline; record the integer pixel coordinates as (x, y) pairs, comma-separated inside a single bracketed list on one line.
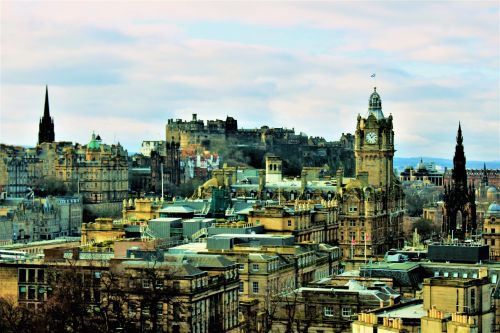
[(122, 71)]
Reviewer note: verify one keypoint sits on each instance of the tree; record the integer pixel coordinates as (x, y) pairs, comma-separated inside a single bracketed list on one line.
[(83, 297), (425, 228), (73, 302), (50, 186), (15, 318), (417, 198)]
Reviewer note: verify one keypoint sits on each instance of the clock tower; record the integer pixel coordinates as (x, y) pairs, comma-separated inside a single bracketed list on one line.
[(374, 144)]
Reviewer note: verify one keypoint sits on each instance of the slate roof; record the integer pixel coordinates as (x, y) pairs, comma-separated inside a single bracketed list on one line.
[(202, 260), (178, 269)]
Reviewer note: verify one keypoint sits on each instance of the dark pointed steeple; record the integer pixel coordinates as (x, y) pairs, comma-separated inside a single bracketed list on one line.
[(484, 178), (459, 174), (46, 111), (46, 126), (459, 197)]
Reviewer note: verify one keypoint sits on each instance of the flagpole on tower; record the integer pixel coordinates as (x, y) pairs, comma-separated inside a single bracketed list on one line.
[(374, 77)]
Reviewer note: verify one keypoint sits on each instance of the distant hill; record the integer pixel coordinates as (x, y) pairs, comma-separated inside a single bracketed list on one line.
[(401, 162)]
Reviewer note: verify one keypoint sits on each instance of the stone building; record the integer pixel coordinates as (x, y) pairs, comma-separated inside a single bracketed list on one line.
[(305, 221), (269, 264), (329, 310), (367, 210), (96, 171), (425, 172), (103, 229), (491, 231), (477, 175), (37, 219), (303, 150), (449, 305), (166, 166), (371, 207), (459, 218), (20, 169), (195, 294), (148, 146), (470, 297), (180, 295)]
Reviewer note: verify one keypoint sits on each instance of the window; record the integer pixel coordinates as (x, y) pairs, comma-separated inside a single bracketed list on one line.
[(289, 223), (241, 266), (472, 299), (159, 284), (346, 311), (352, 223), (446, 274), (493, 241), (241, 287), (492, 230), (255, 267), (464, 275), (328, 311), (41, 275), (31, 275), (159, 309), (22, 275), (22, 292), (255, 287), (31, 292), (436, 274), (146, 283)]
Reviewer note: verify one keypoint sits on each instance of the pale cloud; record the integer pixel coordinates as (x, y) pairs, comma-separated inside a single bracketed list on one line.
[(123, 69)]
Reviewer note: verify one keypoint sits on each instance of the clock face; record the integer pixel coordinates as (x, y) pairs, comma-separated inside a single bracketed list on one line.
[(371, 137)]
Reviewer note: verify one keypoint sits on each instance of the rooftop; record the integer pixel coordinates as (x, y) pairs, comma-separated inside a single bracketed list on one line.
[(413, 310)]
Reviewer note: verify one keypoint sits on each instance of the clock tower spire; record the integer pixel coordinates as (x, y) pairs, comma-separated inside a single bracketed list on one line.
[(374, 144)]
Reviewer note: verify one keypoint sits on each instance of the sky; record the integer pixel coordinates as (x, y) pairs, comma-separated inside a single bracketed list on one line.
[(122, 69)]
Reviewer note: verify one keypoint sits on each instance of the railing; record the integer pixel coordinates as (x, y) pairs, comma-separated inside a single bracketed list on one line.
[(148, 233), (199, 233)]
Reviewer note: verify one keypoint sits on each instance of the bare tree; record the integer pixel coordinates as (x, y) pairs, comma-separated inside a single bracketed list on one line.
[(15, 318)]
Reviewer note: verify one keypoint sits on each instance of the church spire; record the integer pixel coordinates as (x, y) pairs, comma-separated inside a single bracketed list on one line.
[(484, 178), (46, 111), (46, 126), (460, 139), (459, 174)]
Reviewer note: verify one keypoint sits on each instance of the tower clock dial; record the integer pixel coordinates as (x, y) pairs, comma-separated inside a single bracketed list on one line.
[(371, 137)]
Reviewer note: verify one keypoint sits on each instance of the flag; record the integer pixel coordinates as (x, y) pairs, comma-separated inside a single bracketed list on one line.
[(373, 75), (367, 237), (353, 242)]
